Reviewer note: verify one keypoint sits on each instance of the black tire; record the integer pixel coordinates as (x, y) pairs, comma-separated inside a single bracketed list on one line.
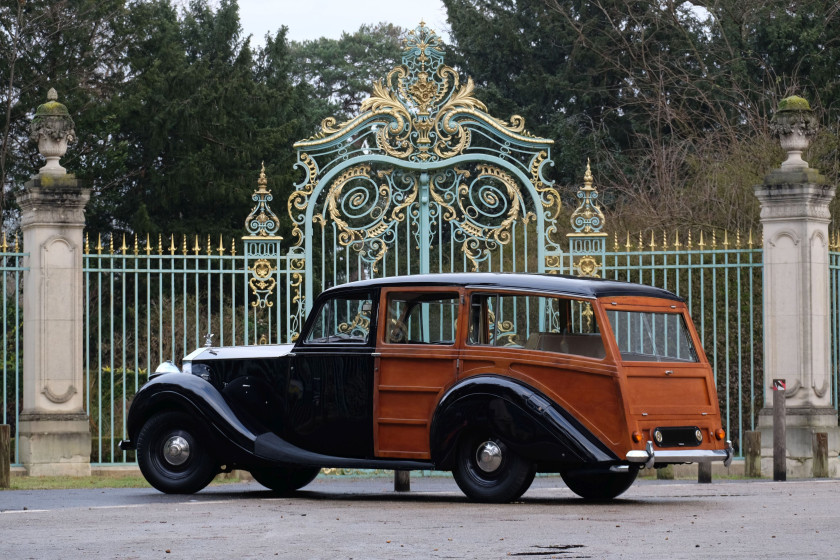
[(173, 454), (285, 480), (501, 476), (599, 485)]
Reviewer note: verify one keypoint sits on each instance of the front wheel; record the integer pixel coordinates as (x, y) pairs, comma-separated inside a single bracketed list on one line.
[(488, 471), (598, 485), (173, 454), (284, 480)]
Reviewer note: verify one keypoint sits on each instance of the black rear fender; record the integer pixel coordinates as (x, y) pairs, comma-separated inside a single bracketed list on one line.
[(522, 417)]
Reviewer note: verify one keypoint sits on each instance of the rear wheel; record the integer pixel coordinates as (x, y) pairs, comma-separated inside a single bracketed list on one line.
[(284, 480), (599, 485), (173, 454), (488, 471)]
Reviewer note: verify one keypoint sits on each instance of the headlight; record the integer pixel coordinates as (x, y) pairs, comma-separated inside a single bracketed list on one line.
[(165, 367), (186, 367)]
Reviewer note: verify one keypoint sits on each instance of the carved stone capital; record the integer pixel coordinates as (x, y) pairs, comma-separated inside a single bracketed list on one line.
[(796, 193), (53, 200)]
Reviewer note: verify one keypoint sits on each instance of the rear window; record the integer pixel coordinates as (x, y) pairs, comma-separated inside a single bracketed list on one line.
[(652, 337)]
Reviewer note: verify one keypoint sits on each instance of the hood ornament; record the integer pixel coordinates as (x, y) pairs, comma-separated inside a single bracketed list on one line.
[(208, 340)]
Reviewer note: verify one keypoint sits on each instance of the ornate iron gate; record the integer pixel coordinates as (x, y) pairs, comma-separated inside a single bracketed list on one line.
[(423, 180)]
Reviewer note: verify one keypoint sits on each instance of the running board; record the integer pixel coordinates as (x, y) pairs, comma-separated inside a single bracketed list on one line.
[(273, 448)]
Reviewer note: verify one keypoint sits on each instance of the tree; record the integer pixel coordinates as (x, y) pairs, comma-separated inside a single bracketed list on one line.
[(197, 116), (342, 72), (71, 45), (671, 101)]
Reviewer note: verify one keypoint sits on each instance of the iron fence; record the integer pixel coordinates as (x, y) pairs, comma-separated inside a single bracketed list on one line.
[(834, 315), (146, 306), (11, 282)]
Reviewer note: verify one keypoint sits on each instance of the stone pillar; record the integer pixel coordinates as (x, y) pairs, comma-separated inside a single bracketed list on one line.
[(54, 429), (794, 216)]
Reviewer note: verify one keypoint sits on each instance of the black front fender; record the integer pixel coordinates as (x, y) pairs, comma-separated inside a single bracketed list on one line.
[(193, 395), (522, 417)]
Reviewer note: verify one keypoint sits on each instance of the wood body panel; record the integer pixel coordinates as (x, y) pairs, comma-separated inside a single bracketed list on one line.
[(409, 380)]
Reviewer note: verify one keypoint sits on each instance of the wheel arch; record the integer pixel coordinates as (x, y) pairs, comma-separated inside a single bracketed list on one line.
[(196, 397), (523, 417)]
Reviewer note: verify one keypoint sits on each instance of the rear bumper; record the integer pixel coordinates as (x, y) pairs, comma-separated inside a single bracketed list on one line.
[(650, 458)]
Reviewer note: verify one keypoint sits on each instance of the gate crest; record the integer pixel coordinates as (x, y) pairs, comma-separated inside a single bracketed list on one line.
[(422, 180)]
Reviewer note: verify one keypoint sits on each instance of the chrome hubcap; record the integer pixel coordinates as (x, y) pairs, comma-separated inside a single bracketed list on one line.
[(488, 457), (176, 450)]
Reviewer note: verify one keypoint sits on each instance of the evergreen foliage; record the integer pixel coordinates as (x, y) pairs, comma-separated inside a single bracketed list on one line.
[(175, 111), (671, 100)]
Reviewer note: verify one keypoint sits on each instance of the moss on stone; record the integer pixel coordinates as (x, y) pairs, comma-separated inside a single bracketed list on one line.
[(794, 103)]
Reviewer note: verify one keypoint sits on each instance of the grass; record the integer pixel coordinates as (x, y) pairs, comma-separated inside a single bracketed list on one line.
[(76, 483)]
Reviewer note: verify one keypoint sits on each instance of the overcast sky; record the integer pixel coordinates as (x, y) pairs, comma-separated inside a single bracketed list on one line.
[(311, 19)]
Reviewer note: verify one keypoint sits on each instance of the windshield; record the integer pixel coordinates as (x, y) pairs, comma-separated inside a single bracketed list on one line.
[(652, 337)]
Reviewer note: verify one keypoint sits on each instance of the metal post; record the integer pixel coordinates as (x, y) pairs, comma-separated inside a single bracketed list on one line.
[(425, 197), (779, 431), (402, 482), (5, 456)]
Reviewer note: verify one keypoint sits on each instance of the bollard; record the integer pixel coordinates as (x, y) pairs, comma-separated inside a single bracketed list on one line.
[(820, 455), (402, 482), (779, 431), (5, 456), (752, 456), (704, 473)]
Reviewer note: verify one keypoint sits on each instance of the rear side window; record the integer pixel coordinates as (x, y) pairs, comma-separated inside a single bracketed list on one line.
[(652, 337), (550, 324)]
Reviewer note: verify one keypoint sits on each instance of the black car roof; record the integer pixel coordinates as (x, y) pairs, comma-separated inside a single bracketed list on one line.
[(555, 283)]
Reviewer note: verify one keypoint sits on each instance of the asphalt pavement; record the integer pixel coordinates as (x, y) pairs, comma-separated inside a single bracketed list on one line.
[(363, 518)]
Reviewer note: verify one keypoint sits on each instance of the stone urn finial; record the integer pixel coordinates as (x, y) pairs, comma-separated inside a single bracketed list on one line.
[(52, 128), (795, 124)]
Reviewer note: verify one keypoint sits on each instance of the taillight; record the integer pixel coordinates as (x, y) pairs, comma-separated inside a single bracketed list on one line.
[(720, 434), (637, 437)]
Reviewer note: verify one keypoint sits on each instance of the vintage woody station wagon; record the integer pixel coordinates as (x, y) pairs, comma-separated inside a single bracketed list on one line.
[(492, 376)]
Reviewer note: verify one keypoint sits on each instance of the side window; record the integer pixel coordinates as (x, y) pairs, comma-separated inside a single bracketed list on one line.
[(342, 320), (421, 318), (550, 324)]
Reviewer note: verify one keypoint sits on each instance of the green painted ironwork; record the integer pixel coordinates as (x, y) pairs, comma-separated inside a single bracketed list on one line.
[(422, 180), (834, 316), (154, 304), (11, 282)]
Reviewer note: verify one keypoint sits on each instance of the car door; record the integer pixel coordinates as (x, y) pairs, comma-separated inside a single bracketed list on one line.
[(330, 388), (417, 361)]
